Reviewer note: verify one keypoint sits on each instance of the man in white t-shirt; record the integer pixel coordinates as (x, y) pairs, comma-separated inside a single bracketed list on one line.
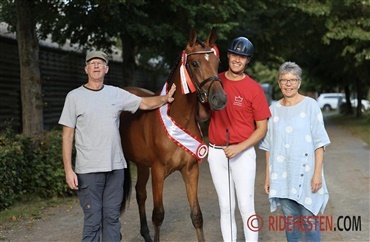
[(91, 117)]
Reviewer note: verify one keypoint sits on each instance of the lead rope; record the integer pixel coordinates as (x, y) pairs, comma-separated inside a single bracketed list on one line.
[(228, 174)]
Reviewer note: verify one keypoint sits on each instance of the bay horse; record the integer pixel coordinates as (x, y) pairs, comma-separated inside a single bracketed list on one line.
[(148, 143)]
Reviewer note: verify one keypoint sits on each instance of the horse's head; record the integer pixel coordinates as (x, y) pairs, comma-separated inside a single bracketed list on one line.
[(202, 62)]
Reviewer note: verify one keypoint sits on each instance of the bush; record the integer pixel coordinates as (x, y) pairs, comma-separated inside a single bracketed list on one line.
[(47, 178), (31, 167), (13, 158)]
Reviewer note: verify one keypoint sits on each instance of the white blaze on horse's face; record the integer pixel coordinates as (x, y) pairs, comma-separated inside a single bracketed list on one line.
[(206, 56)]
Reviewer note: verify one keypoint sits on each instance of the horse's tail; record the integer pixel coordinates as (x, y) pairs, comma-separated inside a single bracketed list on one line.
[(126, 188)]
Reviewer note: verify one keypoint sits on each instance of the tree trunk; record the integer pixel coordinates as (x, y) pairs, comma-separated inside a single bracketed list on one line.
[(28, 49), (128, 56), (348, 106), (359, 97)]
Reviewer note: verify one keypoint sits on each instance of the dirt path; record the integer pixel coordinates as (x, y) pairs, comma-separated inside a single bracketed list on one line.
[(347, 175)]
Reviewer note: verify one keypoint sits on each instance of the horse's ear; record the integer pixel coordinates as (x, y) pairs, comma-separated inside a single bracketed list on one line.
[(192, 37), (211, 40)]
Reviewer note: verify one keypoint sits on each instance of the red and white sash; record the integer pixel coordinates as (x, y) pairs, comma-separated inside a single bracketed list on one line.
[(180, 136)]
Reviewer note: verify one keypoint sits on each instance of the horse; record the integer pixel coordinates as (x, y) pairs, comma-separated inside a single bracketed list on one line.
[(148, 143)]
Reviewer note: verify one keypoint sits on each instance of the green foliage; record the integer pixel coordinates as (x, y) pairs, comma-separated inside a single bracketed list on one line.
[(14, 154), (29, 167), (50, 181), (329, 39)]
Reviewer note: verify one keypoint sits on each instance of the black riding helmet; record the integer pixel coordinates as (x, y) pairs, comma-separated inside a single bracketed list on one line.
[(241, 46)]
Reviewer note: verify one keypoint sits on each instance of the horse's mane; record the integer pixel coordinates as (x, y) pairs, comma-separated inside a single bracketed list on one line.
[(172, 72), (174, 67)]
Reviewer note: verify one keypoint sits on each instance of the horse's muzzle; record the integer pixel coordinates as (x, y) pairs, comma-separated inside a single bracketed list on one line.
[(217, 100)]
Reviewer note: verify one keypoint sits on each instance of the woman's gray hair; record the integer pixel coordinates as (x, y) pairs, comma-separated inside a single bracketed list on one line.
[(290, 67)]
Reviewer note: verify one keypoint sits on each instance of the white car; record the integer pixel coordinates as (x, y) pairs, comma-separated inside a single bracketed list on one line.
[(365, 104), (330, 101)]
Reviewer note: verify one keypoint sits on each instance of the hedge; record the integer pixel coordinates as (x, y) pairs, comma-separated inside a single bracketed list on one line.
[(31, 167)]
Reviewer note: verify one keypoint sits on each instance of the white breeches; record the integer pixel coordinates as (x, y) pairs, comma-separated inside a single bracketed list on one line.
[(242, 175)]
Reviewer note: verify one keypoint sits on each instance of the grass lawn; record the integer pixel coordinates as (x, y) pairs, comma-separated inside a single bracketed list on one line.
[(359, 127), (31, 209)]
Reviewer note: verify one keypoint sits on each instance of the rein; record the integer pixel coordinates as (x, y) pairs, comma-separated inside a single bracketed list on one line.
[(202, 95)]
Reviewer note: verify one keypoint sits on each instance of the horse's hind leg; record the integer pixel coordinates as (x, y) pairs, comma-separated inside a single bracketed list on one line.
[(141, 195), (190, 177)]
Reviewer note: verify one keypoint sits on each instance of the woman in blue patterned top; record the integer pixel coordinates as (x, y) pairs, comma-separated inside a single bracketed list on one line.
[(294, 145)]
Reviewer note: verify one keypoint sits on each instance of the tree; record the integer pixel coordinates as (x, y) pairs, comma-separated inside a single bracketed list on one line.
[(22, 18), (329, 39), (28, 50), (140, 27), (348, 26)]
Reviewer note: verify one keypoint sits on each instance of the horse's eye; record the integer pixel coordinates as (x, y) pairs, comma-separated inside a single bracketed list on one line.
[(195, 64)]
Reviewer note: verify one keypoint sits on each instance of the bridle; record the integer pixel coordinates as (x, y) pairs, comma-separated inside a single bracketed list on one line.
[(202, 95)]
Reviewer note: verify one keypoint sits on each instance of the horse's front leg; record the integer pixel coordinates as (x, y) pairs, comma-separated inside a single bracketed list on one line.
[(141, 195), (158, 176), (191, 177)]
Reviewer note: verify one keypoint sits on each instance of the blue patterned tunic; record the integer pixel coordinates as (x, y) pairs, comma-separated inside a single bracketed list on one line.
[(294, 133)]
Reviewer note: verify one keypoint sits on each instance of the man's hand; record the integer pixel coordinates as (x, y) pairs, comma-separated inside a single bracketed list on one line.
[(170, 93), (72, 181)]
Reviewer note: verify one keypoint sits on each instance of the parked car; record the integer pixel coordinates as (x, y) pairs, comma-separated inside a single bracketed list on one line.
[(267, 88), (365, 104), (330, 101)]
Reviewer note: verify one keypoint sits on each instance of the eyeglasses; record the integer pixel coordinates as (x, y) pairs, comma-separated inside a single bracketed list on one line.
[(285, 81), (98, 63)]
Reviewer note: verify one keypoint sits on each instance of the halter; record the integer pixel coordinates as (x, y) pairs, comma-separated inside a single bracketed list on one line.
[(202, 95)]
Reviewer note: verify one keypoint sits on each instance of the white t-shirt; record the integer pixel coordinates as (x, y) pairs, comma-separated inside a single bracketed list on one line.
[(95, 116)]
